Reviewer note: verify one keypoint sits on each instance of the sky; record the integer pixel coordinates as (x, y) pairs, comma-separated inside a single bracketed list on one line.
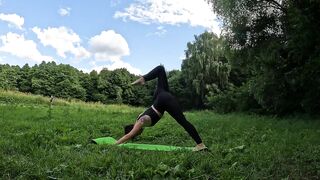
[(91, 35)]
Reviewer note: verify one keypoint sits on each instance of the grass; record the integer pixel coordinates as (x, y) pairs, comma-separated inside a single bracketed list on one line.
[(39, 142)]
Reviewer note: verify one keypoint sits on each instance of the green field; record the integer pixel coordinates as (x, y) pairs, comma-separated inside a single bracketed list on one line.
[(39, 142)]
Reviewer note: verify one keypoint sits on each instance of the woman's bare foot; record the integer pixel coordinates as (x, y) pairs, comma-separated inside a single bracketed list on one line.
[(140, 81), (200, 147)]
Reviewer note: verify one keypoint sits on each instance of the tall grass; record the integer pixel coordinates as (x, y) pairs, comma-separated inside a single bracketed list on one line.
[(42, 142)]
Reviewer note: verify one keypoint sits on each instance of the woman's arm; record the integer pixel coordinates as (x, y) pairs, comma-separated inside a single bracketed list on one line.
[(135, 130)]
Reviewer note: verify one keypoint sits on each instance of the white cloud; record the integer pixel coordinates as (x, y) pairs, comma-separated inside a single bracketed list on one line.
[(114, 65), (62, 39), (17, 45), (64, 11), (173, 12), (161, 31), (121, 64), (109, 45), (13, 19)]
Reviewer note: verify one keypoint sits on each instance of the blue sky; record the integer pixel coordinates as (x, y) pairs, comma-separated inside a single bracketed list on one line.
[(136, 35)]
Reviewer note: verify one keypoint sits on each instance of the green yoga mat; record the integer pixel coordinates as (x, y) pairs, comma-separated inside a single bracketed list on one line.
[(154, 147)]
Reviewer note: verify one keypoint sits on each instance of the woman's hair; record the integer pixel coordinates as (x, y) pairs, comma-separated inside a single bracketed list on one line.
[(129, 127)]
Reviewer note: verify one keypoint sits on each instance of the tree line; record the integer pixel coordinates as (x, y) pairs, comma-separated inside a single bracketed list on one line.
[(266, 60), (65, 81)]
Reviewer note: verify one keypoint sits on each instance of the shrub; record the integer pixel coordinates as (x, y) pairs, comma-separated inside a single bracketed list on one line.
[(232, 99)]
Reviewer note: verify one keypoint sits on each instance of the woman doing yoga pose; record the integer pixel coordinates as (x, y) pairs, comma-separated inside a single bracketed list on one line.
[(163, 101)]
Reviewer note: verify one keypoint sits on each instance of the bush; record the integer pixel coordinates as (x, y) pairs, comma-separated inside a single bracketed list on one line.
[(233, 99), (223, 103)]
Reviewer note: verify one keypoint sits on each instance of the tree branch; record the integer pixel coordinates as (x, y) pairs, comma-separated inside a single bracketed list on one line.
[(278, 5)]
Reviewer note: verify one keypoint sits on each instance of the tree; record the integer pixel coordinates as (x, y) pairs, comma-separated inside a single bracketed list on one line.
[(87, 84), (178, 87), (205, 65), (9, 77), (24, 82), (248, 23), (67, 83), (277, 44), (43, 79)]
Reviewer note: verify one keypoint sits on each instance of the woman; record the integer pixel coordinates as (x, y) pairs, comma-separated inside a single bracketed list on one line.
[(163, 101)]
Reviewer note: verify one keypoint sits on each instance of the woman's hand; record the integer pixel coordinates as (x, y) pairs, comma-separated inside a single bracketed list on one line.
[(122, 140)]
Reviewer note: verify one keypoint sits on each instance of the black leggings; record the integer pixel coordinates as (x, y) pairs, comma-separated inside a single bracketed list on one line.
[(165, 101)]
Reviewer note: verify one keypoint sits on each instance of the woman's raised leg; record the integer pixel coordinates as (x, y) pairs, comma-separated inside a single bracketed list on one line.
[(160, 73)]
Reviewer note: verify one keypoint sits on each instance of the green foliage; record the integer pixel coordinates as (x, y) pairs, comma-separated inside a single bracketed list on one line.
[(247, 23), (304, 52), (24, 82), (65, 81), (276, 47), (90, 83), (57, 80), (205, 65), (179, 88), (9, 77), (114, 87), (118, 86), (233, 99)]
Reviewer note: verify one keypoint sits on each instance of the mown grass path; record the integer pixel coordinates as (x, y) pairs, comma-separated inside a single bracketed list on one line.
[(37, 142)]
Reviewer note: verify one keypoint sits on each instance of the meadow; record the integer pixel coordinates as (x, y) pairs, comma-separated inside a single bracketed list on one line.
[(39, 141)]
